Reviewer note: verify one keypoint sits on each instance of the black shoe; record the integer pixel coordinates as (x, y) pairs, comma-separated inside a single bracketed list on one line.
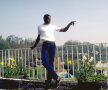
[(58, 82)]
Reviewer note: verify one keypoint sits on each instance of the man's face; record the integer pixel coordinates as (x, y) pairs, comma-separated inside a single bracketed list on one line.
[(47, 20)]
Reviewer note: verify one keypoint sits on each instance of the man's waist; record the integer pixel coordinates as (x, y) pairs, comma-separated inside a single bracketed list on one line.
[(50, 42)]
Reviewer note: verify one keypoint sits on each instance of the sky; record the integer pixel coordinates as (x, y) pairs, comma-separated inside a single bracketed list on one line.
[(22, 17)]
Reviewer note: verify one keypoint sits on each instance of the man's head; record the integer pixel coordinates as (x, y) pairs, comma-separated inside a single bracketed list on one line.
[(47, 19)]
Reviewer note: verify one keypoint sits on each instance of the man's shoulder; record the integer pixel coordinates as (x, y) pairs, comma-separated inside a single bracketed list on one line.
[(50, 25), (40, 25)]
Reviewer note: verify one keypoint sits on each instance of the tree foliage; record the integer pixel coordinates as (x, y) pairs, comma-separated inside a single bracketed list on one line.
[(14, 42), (4, 44)]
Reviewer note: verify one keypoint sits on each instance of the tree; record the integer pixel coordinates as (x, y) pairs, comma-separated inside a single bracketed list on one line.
[(4, 44)]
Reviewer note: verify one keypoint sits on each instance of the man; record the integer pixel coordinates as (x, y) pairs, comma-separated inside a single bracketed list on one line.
[(46, 34)]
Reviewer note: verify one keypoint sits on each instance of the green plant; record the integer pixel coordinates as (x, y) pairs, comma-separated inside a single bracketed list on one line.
[(98, 78), (87, 74), (13, 68), (86, 69)]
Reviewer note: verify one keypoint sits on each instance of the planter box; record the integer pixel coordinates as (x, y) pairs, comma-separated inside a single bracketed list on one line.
[(12, 84), (91, 85)]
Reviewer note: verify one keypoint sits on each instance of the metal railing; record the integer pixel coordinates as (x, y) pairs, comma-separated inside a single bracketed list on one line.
[(27, 63)]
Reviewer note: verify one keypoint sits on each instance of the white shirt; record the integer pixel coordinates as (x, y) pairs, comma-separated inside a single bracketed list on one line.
[(47, 32)]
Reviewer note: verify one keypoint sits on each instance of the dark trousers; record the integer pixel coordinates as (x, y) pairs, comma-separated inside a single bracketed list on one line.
[(48, 54)]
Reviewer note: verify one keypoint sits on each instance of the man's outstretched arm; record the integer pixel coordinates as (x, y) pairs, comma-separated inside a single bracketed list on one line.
[(67, 27), (36, 42)]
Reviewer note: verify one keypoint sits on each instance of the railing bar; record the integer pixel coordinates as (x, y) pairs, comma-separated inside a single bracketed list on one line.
[(25, 63), (107, 60), (32, 63), (72, 61), (21, 57), (88, 51), (36, 63), (9, 55), (3, 64), (82, 53), (29, 62), (20, 49), (63, 60), (0, 61), (12, 53), (18, 55), (5, 58), (67, 61), (15, 56), (94, 57), (106, 52), (100, 56), (77, 58), (40, 63), (84, 44)]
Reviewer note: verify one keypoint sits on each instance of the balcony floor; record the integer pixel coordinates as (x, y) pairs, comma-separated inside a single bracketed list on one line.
[(21, 84)]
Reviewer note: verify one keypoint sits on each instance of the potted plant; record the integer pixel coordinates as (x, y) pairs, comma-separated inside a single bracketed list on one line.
[(14, 69), (87, 78)]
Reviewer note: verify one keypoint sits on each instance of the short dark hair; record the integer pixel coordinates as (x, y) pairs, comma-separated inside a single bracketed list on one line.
[(45, 16)]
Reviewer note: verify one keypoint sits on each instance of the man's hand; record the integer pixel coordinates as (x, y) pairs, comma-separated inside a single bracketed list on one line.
[(36, 42), (32, 47), (72, 23), (67, 27)]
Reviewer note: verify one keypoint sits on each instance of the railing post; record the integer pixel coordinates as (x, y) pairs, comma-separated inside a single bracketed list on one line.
[(29, 63), (88, 51), (82, 53), (18, 55), (72, 60), (25, 61), (67, 60), (100, 56), (5, 57), (94, 57), (107, 60), (33, 63), (62, 59), (36, 63), (40, 63), (77, 58), (0, 66), (15, 56), (21, 56), (9, 56)]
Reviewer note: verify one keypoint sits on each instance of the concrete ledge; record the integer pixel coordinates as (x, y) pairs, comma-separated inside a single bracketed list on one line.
[(10, 83)]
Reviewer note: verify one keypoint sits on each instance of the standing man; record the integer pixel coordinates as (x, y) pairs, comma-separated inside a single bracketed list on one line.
[(46, 34)]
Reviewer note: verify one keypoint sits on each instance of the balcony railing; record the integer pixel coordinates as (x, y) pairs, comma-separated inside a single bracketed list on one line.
[(27, 63)]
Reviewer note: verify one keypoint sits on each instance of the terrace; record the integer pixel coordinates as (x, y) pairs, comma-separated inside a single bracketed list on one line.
[(23, 67)]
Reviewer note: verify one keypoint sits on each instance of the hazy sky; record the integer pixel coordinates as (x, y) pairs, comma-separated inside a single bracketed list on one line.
[(21, 18)]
